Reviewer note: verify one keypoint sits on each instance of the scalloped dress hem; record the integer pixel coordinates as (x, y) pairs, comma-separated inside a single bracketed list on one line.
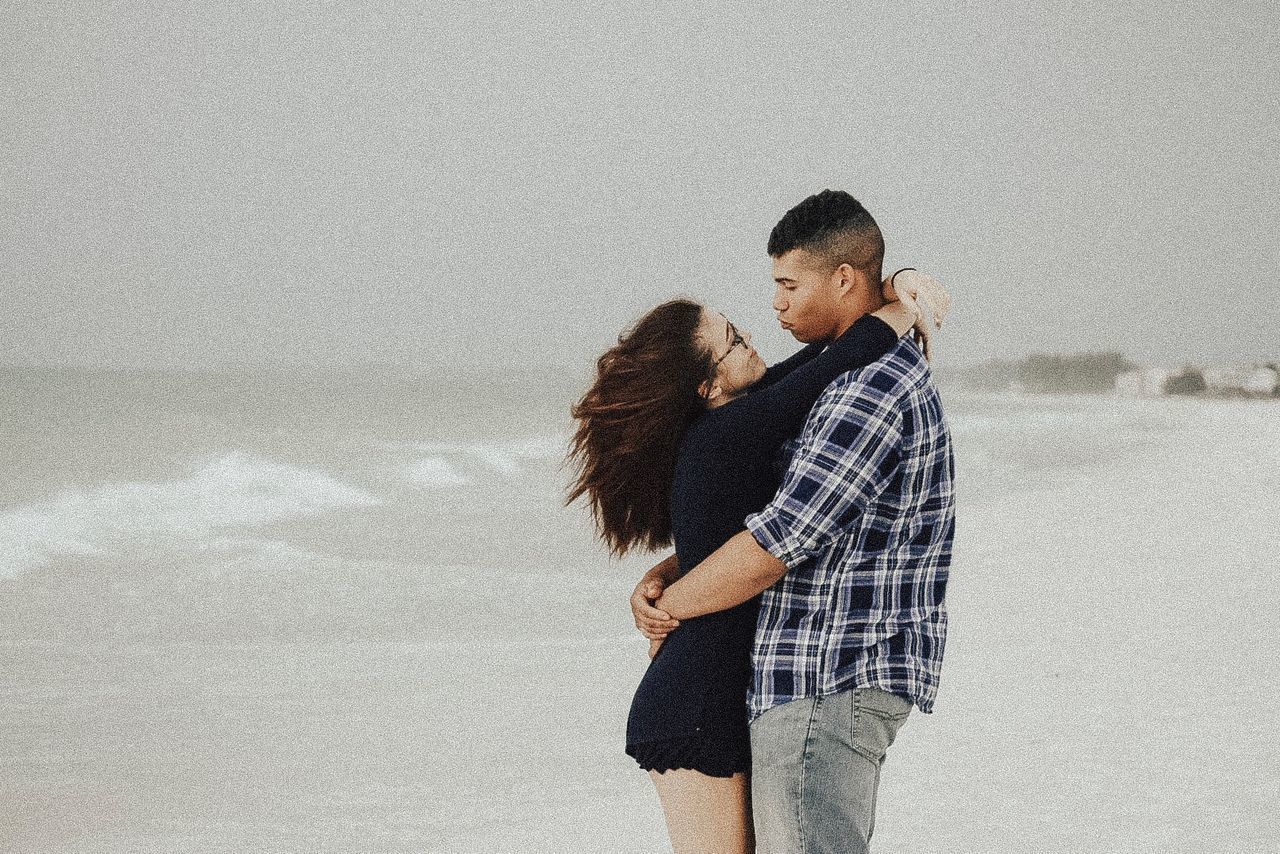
[(721, 755)]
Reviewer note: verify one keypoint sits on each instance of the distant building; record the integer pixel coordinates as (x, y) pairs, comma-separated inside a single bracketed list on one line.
[(1100, 372), (1074, 373), (1225, 380), (1189, 381), (1257, 381), (1143, 382), (1263, 381)]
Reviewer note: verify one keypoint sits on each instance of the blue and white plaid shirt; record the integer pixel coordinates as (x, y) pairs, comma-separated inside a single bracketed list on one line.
[(864, 521)]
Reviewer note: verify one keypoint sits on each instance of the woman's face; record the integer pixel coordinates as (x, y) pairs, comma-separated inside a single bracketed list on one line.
[(738, 365)]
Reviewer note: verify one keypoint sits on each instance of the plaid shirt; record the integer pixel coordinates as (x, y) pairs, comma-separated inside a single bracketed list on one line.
[(864, 522)]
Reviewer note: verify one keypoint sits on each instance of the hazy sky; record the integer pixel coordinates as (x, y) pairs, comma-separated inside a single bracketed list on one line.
[(188, 184)]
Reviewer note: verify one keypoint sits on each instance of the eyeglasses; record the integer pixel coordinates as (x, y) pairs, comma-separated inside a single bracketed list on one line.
[(737, 340)]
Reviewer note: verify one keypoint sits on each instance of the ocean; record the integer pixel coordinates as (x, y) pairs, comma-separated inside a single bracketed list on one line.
[(347, 611)]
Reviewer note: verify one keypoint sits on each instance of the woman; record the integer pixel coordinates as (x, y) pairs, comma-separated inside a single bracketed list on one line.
[(676, 442)]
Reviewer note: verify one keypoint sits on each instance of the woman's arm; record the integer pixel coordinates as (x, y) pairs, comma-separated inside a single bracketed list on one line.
[(779, 411), (908, 286), (768, 416), (786, 366)]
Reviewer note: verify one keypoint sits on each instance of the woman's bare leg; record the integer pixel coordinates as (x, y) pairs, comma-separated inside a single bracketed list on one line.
[(706, 815)]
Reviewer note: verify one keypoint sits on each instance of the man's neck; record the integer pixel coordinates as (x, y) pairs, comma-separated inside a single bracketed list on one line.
[(868, 303)]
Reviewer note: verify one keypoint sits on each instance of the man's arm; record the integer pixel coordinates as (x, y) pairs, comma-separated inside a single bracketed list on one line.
[(731, 575), (850, 453)]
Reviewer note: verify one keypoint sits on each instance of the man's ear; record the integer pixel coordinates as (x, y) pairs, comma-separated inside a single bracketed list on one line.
[(709, 390), (850, 280), (844, 279)]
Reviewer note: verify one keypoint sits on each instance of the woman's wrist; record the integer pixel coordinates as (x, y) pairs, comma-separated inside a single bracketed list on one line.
[(887, 289)]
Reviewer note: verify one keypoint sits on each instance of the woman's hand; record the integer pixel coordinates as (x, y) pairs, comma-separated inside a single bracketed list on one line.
[(652, 622), (654, 646), (920, 293)]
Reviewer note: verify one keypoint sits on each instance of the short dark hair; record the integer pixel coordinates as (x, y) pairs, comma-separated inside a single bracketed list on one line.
[(834, 226)]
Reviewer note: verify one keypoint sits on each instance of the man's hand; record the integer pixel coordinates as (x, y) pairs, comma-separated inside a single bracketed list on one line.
[(652, 622), (920, 293), (654, 646)]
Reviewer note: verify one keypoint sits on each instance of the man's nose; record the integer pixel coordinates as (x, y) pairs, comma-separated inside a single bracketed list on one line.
[(779, 304)]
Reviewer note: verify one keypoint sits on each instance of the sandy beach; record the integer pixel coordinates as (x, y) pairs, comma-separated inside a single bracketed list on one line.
[(357, 631)]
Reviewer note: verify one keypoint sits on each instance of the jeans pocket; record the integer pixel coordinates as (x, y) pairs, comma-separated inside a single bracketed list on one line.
[(877, 716), (882, 704)]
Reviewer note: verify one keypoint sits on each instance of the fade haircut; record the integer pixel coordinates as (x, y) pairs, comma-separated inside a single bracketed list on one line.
[(834, 227)]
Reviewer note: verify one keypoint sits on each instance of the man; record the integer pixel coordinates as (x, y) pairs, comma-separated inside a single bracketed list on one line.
[(852, 554)]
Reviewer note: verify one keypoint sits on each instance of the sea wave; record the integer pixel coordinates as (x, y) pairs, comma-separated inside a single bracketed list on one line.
[(233, 490), (445, 464), (435, 471)]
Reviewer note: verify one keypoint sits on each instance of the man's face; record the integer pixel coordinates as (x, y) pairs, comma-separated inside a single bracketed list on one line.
[(807, 296)]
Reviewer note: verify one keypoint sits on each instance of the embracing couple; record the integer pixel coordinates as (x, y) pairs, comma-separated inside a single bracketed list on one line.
[(811, 510)]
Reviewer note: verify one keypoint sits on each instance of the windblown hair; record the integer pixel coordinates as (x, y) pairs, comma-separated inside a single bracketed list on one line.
[(835, 227), (630, 423)]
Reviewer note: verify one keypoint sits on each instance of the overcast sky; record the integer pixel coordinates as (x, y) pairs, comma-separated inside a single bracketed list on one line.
[(193, 184)]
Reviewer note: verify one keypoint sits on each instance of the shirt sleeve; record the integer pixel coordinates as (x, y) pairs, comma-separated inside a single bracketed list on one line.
[(850, 451)]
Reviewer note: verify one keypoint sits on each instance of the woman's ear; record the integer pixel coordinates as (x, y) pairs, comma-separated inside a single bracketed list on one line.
[(709, 390)]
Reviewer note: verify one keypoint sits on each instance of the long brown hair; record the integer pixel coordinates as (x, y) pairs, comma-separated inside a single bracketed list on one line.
[(630, 423)]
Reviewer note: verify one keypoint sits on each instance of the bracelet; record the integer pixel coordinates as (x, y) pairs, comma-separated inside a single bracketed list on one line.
[(903, 270)]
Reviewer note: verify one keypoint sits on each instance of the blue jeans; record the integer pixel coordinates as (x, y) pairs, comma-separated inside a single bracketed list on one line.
[(815, 769)]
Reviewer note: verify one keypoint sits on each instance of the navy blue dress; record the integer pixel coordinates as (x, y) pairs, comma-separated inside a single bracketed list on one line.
[(690, 710)]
